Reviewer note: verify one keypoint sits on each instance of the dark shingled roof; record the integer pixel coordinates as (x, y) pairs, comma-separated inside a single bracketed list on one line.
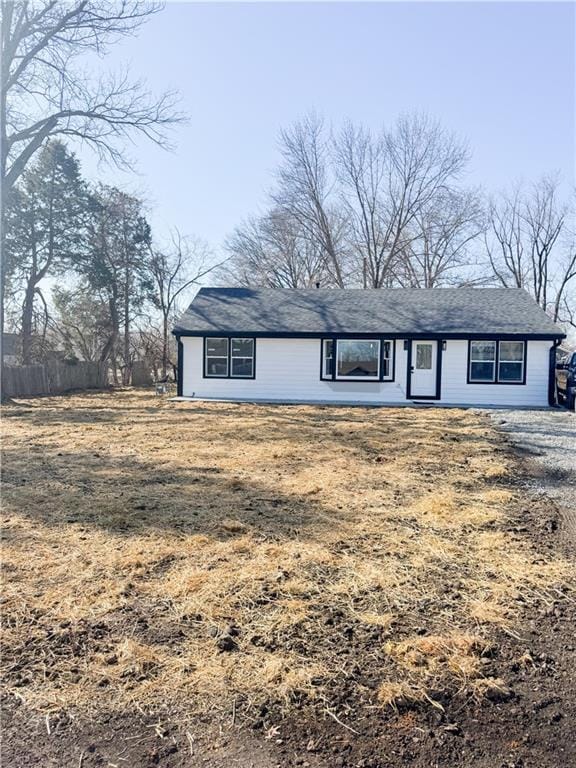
[(445, 311)]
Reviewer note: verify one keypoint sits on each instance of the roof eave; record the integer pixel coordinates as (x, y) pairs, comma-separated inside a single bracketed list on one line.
[(366, 335)]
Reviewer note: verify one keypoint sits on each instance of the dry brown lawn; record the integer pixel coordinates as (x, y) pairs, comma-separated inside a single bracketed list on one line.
[(207, 556)]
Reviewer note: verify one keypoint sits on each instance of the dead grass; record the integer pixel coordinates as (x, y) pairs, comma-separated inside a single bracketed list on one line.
[(321, 544)]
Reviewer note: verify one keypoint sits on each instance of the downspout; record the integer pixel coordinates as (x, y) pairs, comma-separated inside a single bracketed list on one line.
[(552, 399), (180, 366), (180, 369)]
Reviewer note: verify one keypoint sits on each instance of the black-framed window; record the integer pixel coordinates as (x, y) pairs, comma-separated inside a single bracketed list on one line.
[(242, 358), (229, 358), (496, 362), (216, 357), (387, 371), (354, 359), (358, 359), (327, 358), (482, 365), (511, 361)]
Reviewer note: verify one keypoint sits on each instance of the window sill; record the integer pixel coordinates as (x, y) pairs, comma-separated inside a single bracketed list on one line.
[(355, 380), (519, 383)]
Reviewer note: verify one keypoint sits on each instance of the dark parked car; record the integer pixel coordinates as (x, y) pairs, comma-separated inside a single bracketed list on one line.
[(566, 380)]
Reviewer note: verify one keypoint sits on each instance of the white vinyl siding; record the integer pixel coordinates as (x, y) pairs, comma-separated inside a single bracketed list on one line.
[(456, 390), (289, 369)]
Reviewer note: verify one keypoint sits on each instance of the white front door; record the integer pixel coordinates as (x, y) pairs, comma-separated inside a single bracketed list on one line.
[(423, 369)]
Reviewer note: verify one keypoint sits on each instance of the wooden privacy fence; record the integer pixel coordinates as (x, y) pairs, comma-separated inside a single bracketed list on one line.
[(52, 378)]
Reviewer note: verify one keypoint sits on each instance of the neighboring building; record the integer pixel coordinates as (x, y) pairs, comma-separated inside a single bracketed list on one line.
[(41, 351), (11, 348), (460, 346)]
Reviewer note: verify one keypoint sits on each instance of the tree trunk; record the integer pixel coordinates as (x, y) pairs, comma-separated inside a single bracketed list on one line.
[(2, 278), (109, 347), (126, 373), (115, 369), (27, 321), (164, 347), (3, 201)]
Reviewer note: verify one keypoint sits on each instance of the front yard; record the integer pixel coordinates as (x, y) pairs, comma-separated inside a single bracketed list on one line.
[(296, 585)]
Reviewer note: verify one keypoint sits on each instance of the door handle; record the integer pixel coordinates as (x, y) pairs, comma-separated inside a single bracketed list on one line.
[(411, 369)]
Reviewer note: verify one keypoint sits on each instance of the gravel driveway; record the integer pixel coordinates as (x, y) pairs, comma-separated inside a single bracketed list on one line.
[(548, 440)]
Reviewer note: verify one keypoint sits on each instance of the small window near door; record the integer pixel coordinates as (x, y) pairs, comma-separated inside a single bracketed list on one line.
[(497, 362), (482, 361), (424, 357), (327, 359), (387, 361)]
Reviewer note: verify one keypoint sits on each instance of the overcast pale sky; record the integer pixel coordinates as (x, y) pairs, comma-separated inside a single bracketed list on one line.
[(500, 74)]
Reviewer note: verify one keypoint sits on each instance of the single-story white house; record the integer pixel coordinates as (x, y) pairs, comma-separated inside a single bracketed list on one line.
[(456, 346)]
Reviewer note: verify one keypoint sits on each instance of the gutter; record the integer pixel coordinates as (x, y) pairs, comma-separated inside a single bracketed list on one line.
[(552, 396), (178, 332), (180, 368)]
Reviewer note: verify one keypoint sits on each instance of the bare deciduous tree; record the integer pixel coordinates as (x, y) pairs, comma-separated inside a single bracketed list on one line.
[(437, 250), (363, 174), (389, 181), (305, 192), (173, 270), (505, 240), (527, 243), (45, 92), (270, 251), (346, 209), (544, 220), (565, 301)]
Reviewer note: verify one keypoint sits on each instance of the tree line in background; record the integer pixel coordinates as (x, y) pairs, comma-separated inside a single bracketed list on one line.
[(114, 293), (113, 290), (354, 209)]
